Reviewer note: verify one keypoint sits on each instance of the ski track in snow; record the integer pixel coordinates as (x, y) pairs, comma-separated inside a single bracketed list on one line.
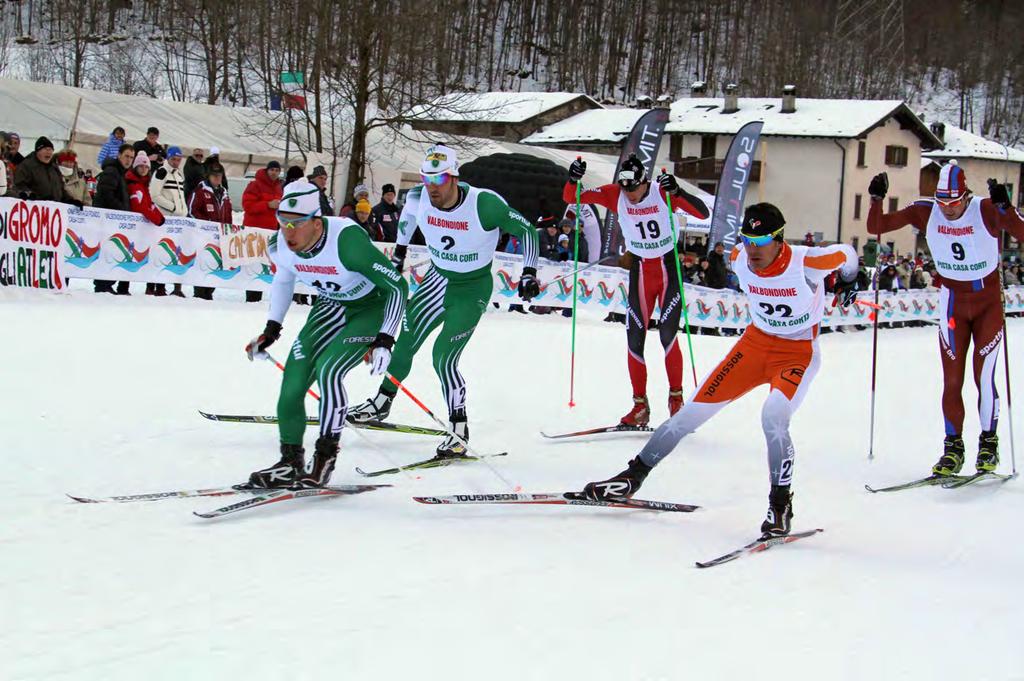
[(101, 396)]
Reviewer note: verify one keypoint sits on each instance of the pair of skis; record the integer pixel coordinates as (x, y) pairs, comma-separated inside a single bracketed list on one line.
[(944, 481)]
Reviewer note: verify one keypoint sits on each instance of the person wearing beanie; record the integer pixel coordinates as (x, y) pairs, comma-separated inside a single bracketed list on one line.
[(168, 185), (210, 201), (262, 196), (358, 312), (363, 218), (462, 226), (14, 152), (294, 173), (785, 290), (138, 179), (213, 160), (111, 146), (964, 233), (38, 178), (359, 193), (319, 178), (74, 183), (385, 214)]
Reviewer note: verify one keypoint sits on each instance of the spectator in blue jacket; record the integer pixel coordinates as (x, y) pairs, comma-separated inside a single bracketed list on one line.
[(112, 146)]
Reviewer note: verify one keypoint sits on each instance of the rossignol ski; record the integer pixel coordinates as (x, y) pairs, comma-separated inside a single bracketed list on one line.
[(557, 498), (757, 546)]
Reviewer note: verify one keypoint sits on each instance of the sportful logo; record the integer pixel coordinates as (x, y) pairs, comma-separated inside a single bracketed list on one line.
[(388, 272)]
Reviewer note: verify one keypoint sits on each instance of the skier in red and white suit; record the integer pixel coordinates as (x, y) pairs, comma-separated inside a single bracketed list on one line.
[(644, 221), (785, 288), (963, 233)]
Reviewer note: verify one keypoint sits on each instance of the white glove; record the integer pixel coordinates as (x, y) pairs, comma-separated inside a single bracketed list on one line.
[(380, 358)]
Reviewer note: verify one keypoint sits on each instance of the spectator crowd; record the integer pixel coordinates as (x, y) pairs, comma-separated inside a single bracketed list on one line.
[(157, 180)]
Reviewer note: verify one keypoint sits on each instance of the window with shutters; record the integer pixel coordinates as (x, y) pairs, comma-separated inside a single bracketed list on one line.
[(894, 204), (857, 199), (896, 156)]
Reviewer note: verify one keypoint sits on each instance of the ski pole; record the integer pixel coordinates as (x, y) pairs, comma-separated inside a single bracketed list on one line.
[(575, 286), (874, 367), (280, 366), (679, 276), (579, 270), (444, 426)]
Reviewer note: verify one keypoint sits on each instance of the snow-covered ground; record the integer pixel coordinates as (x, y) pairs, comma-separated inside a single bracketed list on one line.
[(100, 397)]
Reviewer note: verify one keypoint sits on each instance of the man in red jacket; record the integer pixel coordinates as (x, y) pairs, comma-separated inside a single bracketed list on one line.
[(262, 196), (210, 201)]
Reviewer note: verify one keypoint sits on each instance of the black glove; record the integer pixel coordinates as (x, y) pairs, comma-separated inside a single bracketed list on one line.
[(25, 196), (668, 183), (271, 332), (997, 192), (846, 292), (577, 170), (879, 186), (76, 203), (398, 257), (529, 287)]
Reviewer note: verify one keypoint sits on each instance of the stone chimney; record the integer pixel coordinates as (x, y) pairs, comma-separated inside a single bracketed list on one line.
[(732, 104), (939, 130), (698, 88), (788, 99)]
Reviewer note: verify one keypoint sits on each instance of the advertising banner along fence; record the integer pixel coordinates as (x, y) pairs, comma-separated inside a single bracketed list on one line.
[(42, 242)]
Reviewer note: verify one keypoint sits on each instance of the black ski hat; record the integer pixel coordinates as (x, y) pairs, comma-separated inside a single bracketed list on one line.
[(43, 143), (762, 219), (631, 173)]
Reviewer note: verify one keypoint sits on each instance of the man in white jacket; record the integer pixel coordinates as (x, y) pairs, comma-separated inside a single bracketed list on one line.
[(168, 192), (168, 186)]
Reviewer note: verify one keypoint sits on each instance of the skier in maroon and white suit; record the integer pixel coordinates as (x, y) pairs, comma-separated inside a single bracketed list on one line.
[(964, 234)]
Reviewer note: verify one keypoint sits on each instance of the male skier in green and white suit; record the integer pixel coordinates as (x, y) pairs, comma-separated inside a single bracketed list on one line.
[(461, 226)]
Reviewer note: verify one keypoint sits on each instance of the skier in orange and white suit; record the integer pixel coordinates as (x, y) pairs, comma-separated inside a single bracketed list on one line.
[(785, 288)]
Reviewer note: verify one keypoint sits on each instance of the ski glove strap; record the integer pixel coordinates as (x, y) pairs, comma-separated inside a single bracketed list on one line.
[(271, 332), (529, 287), (398, 257)]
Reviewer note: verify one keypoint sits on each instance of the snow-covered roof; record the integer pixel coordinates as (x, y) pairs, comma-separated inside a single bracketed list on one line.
[(963, 144), (842, 118), (36, 109), (495, 107), (592, 126)]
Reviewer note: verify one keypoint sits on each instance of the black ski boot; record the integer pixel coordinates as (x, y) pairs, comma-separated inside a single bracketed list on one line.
[(625, 484), (285, 472), (780, 512), (320, 469), (375, 409), (952, 459), (988, 452), (452, 447)]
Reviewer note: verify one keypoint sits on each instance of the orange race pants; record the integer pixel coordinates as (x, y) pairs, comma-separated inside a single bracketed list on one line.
[(757, 358)]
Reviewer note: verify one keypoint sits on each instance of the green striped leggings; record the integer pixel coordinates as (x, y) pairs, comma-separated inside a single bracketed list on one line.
[(455, 305)]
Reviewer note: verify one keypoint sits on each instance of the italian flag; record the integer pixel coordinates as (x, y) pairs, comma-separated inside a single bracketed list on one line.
[(293, 83)]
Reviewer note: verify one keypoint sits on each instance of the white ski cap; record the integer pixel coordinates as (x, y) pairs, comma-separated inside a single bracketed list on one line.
[(440, 159), (301, 197)]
